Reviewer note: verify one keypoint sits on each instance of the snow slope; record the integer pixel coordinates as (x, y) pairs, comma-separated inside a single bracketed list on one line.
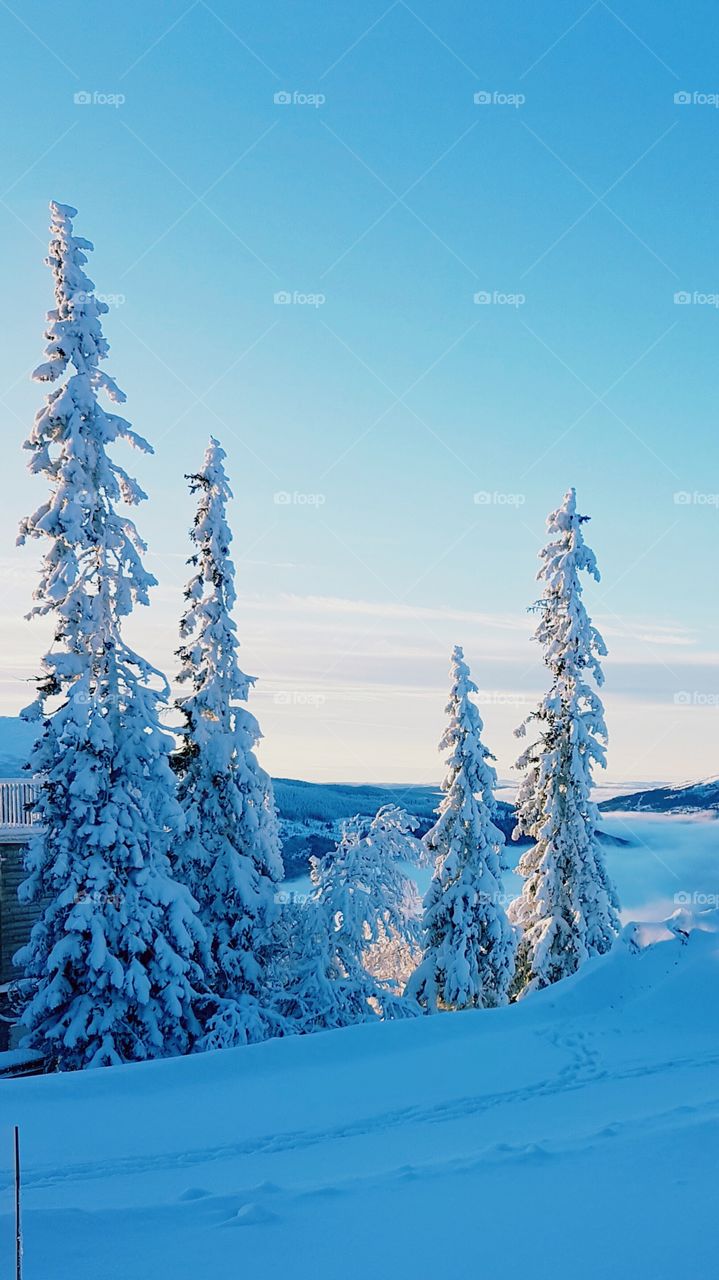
[(695, 797), (16, 742), (575, 1134)]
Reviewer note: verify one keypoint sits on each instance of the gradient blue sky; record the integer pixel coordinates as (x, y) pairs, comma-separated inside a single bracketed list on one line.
[(398, 398)]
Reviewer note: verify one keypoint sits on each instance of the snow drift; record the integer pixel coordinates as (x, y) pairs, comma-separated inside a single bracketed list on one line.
[(574, 1133)]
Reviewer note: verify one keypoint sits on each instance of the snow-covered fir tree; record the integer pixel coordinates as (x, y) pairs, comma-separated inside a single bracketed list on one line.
[(469, 946), (394, 953), (229, 855), (313, 991), (112, 971), (568, 908), (362, 897)]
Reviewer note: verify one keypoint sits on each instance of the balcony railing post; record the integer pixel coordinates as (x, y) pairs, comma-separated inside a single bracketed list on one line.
[(16, 797)]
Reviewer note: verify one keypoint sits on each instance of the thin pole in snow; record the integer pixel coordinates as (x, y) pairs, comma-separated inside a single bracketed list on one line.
[(18, 1224)]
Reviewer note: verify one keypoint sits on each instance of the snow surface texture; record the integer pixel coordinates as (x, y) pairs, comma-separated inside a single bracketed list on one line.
[(462, 1145)]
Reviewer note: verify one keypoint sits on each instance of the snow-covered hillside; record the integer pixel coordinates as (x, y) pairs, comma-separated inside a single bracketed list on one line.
[(16, 741), (696, 797), (574, 1134)]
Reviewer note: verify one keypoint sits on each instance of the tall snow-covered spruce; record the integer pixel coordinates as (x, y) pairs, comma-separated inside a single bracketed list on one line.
[(469, 946), (568, 908), (229, 855), (112, 964)]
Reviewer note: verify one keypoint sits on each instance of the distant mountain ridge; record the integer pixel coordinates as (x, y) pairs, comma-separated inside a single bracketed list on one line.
[(695, 797), (312, 813), (332, 800)]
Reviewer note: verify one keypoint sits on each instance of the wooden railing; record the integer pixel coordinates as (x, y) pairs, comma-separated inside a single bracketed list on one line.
[(16, 800)]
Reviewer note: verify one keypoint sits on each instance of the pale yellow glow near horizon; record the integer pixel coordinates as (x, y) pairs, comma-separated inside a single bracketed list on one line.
[(354, 691)]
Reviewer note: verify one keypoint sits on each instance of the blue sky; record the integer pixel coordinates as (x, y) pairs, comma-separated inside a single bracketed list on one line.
[(383, 191)]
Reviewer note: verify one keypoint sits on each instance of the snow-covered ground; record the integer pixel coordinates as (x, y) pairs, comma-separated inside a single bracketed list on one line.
[(574, 1134)]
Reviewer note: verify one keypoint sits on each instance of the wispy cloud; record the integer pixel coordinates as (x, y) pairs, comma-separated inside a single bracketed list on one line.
[(338, 605)]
